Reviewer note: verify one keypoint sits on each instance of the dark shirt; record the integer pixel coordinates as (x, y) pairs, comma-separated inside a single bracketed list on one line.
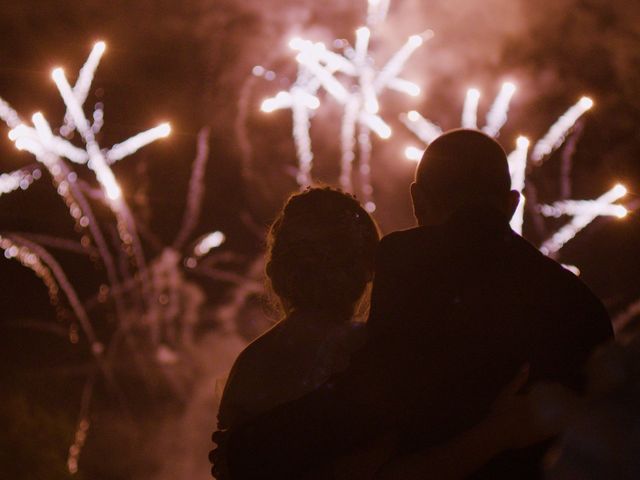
[(456, 310)]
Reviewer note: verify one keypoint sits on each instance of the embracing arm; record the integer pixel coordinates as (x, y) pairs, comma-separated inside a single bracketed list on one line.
[(517, 421)]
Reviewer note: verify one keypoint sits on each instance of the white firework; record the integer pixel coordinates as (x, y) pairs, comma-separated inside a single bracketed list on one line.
[(355, 83)]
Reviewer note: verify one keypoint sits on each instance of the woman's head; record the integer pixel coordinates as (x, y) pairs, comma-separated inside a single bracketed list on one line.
[(320, 252)]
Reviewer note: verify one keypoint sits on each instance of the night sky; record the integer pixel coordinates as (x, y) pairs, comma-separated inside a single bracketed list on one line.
[(190, 63)]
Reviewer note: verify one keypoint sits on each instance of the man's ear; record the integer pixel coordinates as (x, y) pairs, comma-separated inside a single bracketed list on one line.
[(418, 200), (513, 200)]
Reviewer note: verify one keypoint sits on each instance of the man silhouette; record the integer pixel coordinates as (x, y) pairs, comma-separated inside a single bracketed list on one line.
[(459, 304)]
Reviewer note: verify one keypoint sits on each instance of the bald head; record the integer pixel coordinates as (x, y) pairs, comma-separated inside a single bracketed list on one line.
[(461, 168)]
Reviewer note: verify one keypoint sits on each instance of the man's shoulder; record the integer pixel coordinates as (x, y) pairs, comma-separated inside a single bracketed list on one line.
[(406, 241)]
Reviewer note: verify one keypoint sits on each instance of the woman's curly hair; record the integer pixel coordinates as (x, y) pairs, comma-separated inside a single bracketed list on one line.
[(320, 252)]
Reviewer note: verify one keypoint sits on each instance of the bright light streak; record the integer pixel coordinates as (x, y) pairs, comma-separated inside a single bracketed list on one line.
[(96, 162), (518, 167), (29, 145), (405, 86), (12, 181), (424, 129), (377, 11), (395, 65), (470, 109), (208, 243), (375, 123), (363, 34), (583, 212), (328, 81), (497, 115), (87, 72), (43, 128), (135, 143), (73, 106), (559, 130), (347, 141), (8, 115), (413, 153)]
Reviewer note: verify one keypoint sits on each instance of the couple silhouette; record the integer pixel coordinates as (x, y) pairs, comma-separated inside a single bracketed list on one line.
[(432, 385)]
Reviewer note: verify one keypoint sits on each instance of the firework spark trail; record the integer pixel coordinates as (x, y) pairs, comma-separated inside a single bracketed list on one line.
[(347, 142), (37, 142), (97, 163), (12, 181), (360, 102), (424, 129), (364, 145), (301, 99), (566, 166), (470, 109), (83, 84), (518, 167), (82, 428), (559, 130), (33, 256), (34, 140), (397, 62), (8, 115), (497, 115), (196, 190), (302, 140), (585, 213), (135, 143), (377, 12), (59, 243), (583, 207)]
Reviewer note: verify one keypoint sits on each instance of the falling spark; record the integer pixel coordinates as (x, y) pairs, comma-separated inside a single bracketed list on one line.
[(135, 143), (497, 116), (559, 130), (208, 243), (583, 214), (518, 167), (470, 109)]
